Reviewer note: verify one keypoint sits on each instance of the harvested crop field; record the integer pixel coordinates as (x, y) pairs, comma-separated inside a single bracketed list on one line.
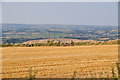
[(60, 62)]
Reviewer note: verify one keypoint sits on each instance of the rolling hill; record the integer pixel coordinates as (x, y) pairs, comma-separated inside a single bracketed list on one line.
[(63, 40), (19, 33)]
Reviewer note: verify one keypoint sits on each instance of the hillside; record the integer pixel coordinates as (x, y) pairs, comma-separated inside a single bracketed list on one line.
[(62, 40)]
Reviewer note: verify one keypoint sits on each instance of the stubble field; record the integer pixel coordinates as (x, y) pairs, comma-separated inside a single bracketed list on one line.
[(60, 62)]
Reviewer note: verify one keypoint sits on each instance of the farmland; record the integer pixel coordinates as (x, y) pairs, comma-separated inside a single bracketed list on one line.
[(19, 33), (60, 62)]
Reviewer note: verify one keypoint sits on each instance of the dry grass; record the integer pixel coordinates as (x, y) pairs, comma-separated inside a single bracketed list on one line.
[(59, 62), (63, 40)]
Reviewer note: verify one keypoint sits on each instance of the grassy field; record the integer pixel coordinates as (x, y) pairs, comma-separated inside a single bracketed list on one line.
[(60, 62)]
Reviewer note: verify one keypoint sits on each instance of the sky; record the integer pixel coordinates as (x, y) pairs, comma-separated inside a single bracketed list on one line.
[(60, 0), (75, 13)]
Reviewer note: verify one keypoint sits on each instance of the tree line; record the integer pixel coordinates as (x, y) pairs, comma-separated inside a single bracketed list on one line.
[(59, 43)]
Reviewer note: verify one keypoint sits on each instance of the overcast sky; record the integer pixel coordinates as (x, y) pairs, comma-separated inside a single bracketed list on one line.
[(78, 13)]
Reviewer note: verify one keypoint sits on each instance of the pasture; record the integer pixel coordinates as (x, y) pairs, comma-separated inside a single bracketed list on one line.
[(60, 62)]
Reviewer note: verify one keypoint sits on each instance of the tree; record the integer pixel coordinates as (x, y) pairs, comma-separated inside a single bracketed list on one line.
[(58, 44), (72, 43)]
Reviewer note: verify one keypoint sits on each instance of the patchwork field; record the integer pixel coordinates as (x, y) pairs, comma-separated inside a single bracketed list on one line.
[(60, 62)]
